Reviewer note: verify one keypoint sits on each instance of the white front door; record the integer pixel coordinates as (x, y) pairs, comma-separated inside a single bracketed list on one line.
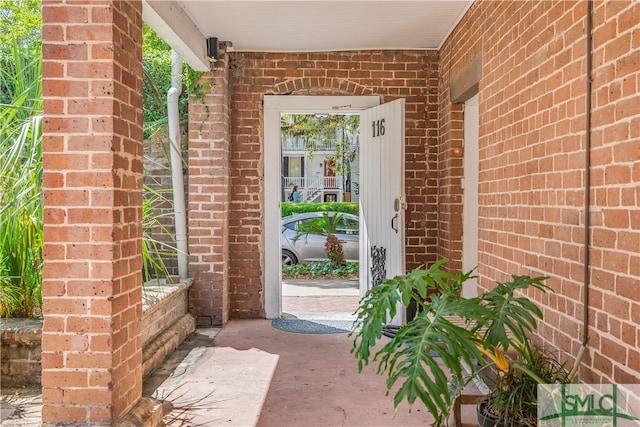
[(382, 196)]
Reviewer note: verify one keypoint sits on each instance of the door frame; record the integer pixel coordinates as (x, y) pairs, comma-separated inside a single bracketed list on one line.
[(274, 106), (470, 194)]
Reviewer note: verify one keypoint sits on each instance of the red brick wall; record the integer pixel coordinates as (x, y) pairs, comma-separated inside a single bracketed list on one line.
[(92, 154), (394, 74), (460, 49), (209, 196), (532, 158)]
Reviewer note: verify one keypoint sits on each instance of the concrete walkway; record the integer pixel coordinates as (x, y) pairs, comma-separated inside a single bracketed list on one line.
[(320, 299)]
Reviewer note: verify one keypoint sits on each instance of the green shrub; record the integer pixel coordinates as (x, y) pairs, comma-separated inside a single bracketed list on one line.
[(290, 208), (452, 341), (319, 269)]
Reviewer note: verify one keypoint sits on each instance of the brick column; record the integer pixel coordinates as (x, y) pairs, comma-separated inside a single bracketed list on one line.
[(92, 153), (209, 198)]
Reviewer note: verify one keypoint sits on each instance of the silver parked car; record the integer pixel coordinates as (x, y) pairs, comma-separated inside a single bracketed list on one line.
[(309, 248)]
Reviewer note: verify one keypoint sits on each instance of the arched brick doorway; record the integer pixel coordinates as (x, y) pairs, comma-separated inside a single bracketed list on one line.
[(232, 281)]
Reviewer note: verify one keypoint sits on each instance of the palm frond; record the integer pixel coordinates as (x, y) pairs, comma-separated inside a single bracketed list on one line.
[(326, 226), (154, 251), (21, 205)]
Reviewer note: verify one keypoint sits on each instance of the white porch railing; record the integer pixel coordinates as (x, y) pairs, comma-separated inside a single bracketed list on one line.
[(331, 181), (311, 188)]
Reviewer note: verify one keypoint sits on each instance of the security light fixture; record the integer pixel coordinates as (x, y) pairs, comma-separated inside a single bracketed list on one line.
[(213, 49)]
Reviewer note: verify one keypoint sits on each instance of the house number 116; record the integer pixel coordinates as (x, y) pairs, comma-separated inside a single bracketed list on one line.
[(378, 127)]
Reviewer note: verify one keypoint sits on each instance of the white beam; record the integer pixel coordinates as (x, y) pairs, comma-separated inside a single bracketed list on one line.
[(172, 24)]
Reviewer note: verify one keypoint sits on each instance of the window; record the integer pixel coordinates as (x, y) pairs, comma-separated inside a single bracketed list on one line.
[(348, 226), (293, 166)]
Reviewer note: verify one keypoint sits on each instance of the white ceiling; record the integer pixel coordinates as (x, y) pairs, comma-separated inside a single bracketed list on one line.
[(310, 26)]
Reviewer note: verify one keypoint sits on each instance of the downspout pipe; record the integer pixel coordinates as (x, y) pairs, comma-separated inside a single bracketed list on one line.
[(587, 189), (177, 177)]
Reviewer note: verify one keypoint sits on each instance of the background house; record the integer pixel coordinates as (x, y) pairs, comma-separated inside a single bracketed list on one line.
[(322, 163)]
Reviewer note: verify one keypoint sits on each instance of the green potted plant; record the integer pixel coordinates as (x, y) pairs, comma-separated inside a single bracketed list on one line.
[(513, 397), (453, 340)]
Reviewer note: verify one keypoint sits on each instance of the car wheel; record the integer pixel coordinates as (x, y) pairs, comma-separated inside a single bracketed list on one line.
[(288, 258)]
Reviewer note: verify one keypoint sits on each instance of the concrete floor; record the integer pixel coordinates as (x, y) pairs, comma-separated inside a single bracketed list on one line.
[(252, 374)]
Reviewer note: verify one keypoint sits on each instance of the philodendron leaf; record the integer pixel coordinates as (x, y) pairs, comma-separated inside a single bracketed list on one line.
[(380, 303), (411, 285), (415, 286), (376, 307), (513, 316), (426, 354)]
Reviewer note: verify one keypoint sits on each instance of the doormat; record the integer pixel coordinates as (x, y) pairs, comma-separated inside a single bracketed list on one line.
[(301, 326)]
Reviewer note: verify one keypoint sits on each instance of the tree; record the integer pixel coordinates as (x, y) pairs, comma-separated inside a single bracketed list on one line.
[(20, 40), (156, 80), (20, 21)]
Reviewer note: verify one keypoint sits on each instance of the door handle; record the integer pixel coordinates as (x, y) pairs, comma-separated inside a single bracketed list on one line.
[(394, 226), (394, 220)]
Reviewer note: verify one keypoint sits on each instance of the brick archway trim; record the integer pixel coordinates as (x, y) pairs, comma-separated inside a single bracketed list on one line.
[(320, 86)]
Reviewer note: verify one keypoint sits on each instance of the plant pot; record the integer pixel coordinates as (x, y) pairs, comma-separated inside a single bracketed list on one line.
[(487, 419)]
